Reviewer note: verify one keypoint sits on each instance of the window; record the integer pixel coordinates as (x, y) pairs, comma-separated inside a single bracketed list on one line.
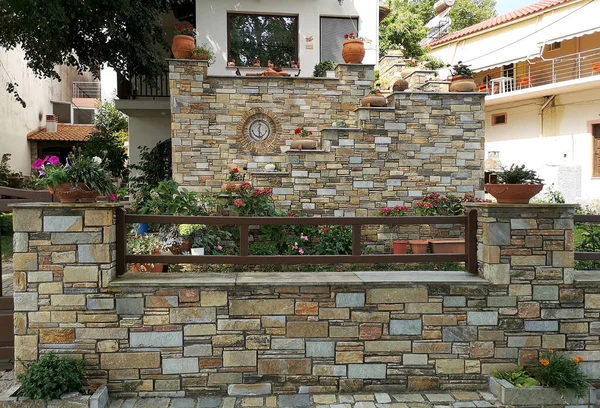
[(499, 119), (83, 116), (63, 111), (332, 36), (262, 37), (554, 46), (596, 149)]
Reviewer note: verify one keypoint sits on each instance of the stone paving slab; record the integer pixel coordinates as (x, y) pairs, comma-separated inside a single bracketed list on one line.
[(431, 399)]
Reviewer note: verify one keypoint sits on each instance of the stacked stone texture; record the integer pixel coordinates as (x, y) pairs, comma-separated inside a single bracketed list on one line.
[(188, 338)]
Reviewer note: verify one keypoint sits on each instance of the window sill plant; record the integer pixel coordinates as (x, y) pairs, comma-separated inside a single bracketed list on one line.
[(353, 50), (203, 52), (462, 79), (184, 40), (302, 140), (82, 179), (516, 185), (235, 181)]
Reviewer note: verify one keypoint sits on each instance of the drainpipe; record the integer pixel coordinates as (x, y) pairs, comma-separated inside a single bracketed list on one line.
[(544, 105)]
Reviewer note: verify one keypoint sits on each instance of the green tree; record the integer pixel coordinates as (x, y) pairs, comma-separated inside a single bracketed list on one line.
[(403, 27), (127, 35), (466, 13)]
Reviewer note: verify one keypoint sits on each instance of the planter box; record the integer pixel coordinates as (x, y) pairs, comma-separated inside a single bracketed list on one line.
[(508, 394), (97, 400)]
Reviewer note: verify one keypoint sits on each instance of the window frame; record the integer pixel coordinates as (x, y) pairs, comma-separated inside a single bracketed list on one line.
[(250, 13), (496, 115), (553, 47), (321, 17), (595, 158)]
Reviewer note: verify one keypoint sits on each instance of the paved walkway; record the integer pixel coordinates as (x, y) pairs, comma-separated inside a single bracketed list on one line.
[(433, 399)]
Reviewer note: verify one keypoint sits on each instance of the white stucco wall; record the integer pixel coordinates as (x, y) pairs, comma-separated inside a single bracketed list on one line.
[(146, 131), (211, 24), (17, 121), (565, 142)]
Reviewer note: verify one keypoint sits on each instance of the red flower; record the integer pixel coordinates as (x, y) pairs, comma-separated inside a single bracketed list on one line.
[(239, 203), (351, 34), (325, 230), (346, 36), (297, 131), (292, 214), (310, 133), (236, 170)]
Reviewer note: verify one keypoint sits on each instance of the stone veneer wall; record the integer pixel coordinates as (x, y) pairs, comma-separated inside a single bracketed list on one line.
[(422, 142), (177, 337)]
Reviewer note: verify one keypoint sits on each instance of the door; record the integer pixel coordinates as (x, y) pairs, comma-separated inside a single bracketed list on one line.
[(596, 149)]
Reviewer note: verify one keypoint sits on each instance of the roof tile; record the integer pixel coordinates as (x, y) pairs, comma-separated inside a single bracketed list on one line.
[(64, 133)]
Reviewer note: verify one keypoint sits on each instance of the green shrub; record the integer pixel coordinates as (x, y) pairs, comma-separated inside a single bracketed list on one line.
[(518, 175), (561, 373), (322, 67), (6, 223), (519, 378), (52, 376)]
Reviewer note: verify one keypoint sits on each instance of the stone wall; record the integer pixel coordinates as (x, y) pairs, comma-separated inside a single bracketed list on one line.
[(420, 143), (187, 334)]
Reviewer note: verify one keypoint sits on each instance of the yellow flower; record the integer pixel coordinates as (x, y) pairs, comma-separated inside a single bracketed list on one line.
[(550, 351), (544, 362)]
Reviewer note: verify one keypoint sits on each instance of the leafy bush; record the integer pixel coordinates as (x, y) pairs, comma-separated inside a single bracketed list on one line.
[(6, 223), (322, 67), (561, 373), (519, 378), (256, 202), (590, 242), (51, 376), (166, 198), (518, 175), (436, 204), (154, 166), (334, 240)]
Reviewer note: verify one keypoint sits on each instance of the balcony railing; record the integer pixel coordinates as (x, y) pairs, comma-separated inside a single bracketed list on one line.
[(86, 90), (134, 87), (546, 71)]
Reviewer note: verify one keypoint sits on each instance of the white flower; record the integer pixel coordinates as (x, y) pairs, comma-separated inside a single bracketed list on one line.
[(97, 160)]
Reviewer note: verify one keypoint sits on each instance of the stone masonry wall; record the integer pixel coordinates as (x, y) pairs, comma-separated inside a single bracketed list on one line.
[(181, 336), (422, 142)]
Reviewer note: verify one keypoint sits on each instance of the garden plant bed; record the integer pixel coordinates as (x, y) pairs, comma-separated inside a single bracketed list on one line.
[(98, 399), (511, 395)]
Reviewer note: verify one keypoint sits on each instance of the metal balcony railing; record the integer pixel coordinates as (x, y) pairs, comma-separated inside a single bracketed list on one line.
[(89, 90), (133, 87)]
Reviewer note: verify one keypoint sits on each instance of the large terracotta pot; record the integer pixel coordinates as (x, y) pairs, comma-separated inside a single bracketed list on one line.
[(182, 46), (463, 84), (418, 246), (374, 101), (303, 143), (400, 85), (353, 51), (513, 193), (78, 193), (399, 246), (447, 246)]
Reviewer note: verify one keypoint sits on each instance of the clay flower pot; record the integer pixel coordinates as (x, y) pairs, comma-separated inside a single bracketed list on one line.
[(462, 84), (78, 193), (232, 186), (353, 51), (303, 143), (179, 249), (418, 246), (513, 193), (400, 85), (182, 46), (374, 101), (447, 246), (399, 246)]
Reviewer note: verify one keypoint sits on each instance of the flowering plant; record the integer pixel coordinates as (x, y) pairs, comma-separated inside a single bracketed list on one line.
[(411, 63), (235, 175), (436, 204), (255, 202), (78, 169), (561, 373), (353, 36), (185, 28), (397, 211), (302, 132)]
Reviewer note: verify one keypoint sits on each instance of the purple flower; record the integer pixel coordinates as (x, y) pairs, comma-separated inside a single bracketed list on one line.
[(42, 172), (113, 197), (54, 160), (47, 158), (219, 247), (37, 164)]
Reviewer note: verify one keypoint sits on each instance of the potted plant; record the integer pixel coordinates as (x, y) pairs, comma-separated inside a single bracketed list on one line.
[(82, 179), (144, 244), (398, 245), (302, 140), (193, 233), (234, 181), (353, 50), (184, 40), (409, 67), (203, 52), (462, 79), (325, 69), (374, 99), (516, 185)]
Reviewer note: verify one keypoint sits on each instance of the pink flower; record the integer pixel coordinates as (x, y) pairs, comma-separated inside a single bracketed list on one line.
[(239, 203), (46, 159), (113, 197), (220, 247), (54, 160), (42, 172), (304, 237), (37, 164), (301, 251)]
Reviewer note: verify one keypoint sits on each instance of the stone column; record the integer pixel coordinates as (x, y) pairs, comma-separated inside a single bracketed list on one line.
[(64, 258)]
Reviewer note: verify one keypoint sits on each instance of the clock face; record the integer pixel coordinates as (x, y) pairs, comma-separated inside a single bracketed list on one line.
[(259, 130)]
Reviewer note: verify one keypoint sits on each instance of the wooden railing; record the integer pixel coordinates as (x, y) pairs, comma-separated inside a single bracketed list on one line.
[(16, 195), (587, 256), (356, 223)]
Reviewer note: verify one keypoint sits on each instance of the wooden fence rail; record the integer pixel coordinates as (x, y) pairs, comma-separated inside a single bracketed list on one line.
[(356, 223)]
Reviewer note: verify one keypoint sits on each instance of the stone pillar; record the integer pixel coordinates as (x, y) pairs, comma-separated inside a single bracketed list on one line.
[(64, 258)]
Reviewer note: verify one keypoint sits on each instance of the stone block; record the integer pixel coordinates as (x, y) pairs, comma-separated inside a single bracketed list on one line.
[(162, 301), (592, 301), (502, 301), (563, 313), (249, 389), (291, 366), (541, 325), (197, 350), (94, 253), (345, 357), (111, 361), (50, 288), (238, 324), (186, 365), (370, 317), (449, 366), (245, 358), (287, 344), (307, 308), (37, 277), (25, 261), (130, 306), (156, 339), (57, 335), (187, 295), (397, 295), (213, 298), (320, 349), (524, 341), (62, 223), (192, 315), (67, 300), (26, 348), (410, 327), (296, 400), (529, 309), (63, 257), (307, 329), (482, 349), (98, 218), (553, 341), (459, 333), (224, 378), (199, 330), (329, 370), (367, 371), (350, 299), (498, 274), (421, 347), (440, 320), (69, 238), (25, 301), (273, 321), (523, 223), (108, 346), (334, 313), (482, 318), (261, 307), (100, 303), (388, 346), (20, 242), (496, 233), (414, 359), (74, 274), (27, 220), (102, 333), (455, 301)]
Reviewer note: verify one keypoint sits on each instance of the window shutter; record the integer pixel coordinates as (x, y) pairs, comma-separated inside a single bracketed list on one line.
[(332, 36)]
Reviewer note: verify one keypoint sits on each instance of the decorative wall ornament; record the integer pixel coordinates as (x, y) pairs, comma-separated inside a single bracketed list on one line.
[(258, 131)]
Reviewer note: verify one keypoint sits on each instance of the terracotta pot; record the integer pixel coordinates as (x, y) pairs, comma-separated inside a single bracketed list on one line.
[(463, 84), (407, 71), (78, 193), (374, 101), (399, 246), (353, 51), (182, 46), (232, 186), (418, 246), (147, 267), (447, 246), (304, 143), (179, 249), (513, 193), (400, 85)]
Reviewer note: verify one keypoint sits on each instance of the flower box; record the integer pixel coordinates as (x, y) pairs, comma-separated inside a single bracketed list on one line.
[(510, 395)]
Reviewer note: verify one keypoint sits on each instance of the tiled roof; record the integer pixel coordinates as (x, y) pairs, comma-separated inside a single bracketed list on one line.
[(499, 20), (64, 133)]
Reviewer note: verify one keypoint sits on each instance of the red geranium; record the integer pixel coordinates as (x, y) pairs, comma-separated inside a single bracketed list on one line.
[(236, 170), (297, 131), (325, 230)]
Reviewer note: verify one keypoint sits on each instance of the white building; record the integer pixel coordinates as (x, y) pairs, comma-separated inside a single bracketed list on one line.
[(313, 31), (541, 67)]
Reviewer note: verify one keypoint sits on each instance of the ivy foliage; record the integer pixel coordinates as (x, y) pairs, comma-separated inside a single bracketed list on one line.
[(51, 376)]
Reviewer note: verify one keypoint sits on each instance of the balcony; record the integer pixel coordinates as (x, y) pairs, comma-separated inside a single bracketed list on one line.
[(85, 94), (141, 87)]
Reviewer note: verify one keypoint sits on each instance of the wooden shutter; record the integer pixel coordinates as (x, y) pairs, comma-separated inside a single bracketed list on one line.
[(596, 149)]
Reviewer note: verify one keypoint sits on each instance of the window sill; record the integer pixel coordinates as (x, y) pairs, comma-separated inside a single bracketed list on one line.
[(296, 278)]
